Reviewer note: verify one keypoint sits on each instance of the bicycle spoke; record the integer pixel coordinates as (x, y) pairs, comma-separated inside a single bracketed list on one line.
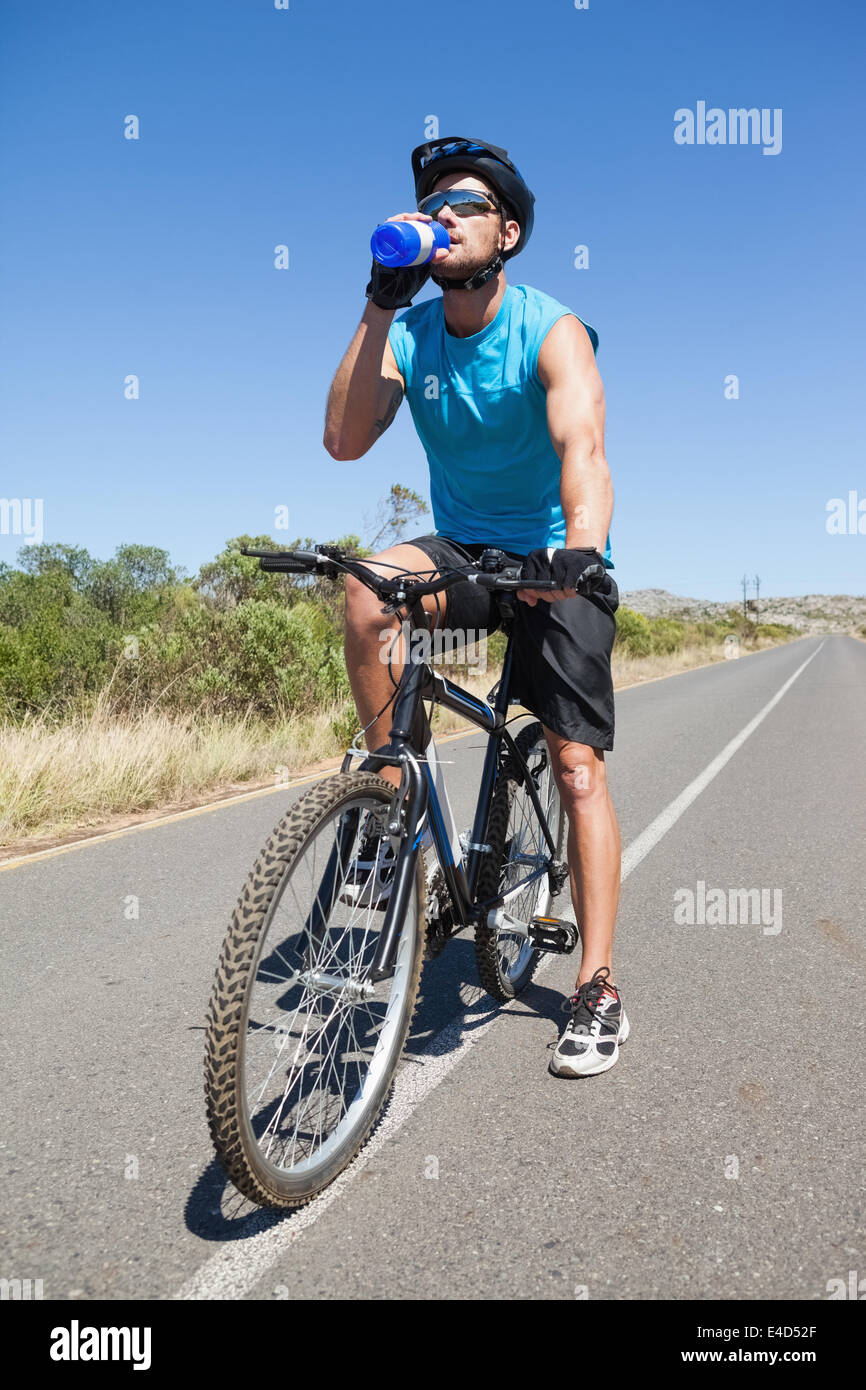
[(315, 1028), (526, 848)]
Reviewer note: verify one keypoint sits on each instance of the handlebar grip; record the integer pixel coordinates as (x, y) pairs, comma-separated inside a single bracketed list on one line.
[(289, 564)]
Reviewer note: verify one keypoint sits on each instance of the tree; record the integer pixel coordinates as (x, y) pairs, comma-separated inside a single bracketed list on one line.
[(135, 573), (232, 578), (73, 560), (393, 515)]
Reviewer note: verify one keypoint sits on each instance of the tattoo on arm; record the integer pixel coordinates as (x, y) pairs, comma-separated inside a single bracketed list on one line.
[(391, 409)]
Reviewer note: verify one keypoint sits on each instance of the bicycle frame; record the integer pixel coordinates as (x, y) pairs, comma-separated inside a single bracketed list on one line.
[(418, 797)]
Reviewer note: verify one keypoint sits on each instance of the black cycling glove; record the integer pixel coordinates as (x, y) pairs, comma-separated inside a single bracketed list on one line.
[(583, 570), (394, 288)]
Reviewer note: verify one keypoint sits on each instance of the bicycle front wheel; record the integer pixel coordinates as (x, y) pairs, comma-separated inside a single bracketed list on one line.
[(301, 1045), (518, 848)]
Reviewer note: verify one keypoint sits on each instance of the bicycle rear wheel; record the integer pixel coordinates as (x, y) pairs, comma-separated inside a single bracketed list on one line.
[(505, 959), (301, 1046)]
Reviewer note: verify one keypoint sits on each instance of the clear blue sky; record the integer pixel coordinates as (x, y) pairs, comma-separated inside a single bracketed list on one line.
[(261, 126)]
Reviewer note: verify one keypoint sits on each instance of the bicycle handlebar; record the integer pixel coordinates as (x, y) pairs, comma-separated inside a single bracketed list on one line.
[(329, 560)]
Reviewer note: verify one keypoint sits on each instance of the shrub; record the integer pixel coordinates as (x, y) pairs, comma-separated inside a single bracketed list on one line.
[(667, 634), (633, 633), (55, 647)]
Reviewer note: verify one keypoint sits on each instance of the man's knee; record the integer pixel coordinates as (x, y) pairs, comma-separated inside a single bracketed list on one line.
[(364, 616), (580, 774), (360, 602)]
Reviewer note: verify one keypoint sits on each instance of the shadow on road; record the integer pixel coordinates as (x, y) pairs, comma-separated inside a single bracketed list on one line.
[(215, 1210), (452, 1004), (451, 995)]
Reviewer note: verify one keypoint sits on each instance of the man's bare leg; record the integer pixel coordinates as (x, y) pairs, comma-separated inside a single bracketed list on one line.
[(594, 853), (369, 633)]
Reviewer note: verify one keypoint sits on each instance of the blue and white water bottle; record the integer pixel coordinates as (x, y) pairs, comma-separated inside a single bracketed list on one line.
[(408, 243)]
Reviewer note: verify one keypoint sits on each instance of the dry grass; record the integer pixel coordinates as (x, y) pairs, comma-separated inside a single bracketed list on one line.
[(82, 772), (56, 777), (630, 670)]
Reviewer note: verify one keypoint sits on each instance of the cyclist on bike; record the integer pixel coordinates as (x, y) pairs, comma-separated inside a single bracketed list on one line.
[(506, 398)]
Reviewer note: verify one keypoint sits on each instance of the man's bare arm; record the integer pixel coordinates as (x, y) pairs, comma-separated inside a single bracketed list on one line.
[(383, 420), (575, 419), (367, 389)]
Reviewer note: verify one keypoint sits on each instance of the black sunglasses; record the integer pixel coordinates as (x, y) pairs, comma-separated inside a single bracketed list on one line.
[(463, 202)]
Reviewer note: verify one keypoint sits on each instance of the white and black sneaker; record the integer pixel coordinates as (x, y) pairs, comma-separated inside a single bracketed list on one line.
[(592, 1036), (371, 872)]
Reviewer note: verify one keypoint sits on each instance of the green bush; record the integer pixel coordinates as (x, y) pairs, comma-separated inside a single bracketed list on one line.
[(667, 634), (633, 633), (66, 623), (712, 629), (55, 647), (259, 654), (284, 658), (231, 640)]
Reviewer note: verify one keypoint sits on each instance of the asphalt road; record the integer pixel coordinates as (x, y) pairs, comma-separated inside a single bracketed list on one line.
[(720, 1158)]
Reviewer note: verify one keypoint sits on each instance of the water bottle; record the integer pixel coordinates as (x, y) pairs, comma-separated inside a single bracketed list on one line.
[(408, 243)]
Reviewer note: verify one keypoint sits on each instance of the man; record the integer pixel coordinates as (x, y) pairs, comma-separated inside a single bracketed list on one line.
[(507, 400)]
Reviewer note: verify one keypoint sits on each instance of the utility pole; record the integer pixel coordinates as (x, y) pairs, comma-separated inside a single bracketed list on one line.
[(757, 598), (745, 582)]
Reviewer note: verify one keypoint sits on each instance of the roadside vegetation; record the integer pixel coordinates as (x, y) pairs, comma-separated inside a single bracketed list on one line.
[(649, 647), (128, 686)]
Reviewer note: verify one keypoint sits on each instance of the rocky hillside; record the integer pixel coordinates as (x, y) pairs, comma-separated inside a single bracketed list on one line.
[(809, 613)]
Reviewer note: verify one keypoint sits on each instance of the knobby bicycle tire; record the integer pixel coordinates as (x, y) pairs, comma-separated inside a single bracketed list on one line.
[(229, 1124)]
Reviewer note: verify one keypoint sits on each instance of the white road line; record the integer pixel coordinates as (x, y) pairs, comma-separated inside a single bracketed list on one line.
[(236, 1268), (649, 838), (232, 1272)]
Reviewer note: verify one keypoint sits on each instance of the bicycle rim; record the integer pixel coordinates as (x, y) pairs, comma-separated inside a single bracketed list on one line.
[(317, 1042)]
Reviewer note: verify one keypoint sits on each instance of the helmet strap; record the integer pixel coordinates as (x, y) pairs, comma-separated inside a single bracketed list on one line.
[(475, 281)]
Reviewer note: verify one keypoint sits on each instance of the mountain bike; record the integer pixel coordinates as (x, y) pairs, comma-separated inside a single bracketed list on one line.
[(318, 977)]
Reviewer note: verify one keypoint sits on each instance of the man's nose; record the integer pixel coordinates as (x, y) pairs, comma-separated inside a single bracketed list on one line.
[(446, 216)]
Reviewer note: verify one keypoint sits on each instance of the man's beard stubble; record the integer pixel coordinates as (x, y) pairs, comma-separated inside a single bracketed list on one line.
[(465, 266)]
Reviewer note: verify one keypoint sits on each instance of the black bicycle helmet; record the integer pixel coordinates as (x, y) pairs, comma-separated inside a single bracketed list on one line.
[(443, 156)]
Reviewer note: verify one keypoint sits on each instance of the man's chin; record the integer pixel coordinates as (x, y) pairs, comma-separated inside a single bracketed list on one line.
[(454, 270)]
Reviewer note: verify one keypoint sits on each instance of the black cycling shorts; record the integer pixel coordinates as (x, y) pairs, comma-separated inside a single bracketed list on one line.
[(561, 650)]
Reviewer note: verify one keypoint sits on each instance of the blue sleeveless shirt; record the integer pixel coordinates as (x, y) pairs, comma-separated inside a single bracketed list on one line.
[(480, 411)]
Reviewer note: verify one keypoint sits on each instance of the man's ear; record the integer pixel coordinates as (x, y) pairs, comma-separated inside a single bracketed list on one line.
[(504, 232)]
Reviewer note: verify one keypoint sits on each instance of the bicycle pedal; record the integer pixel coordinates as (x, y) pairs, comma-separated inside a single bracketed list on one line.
[(553, 934)]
